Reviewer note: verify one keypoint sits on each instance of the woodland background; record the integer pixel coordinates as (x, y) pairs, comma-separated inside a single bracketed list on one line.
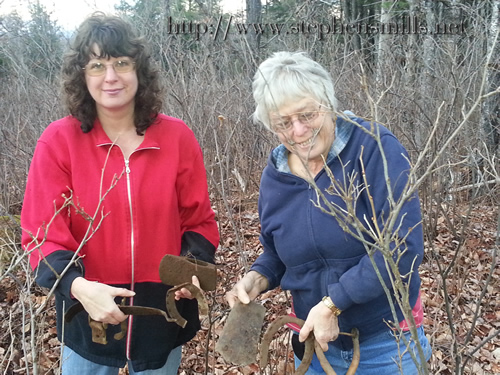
[(437, 91)]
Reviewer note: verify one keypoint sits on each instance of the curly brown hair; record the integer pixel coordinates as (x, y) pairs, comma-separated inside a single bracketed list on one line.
[(115, 38)]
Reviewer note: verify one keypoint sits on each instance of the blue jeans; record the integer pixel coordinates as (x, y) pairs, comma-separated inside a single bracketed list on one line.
[(74, 364), (379, 355)]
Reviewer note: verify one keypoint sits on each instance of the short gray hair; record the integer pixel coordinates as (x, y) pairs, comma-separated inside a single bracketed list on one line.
[(286, 77)]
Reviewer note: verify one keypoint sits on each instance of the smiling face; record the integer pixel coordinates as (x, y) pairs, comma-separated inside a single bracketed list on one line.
[(306, 128), (112, 91)]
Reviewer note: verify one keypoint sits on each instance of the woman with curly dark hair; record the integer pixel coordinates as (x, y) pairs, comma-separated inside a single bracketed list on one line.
[(112, 188), (99, 31)]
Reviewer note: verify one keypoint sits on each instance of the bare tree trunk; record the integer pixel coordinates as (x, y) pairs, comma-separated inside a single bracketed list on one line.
[(346, 8), (428, 76), (411, 64), (352, 11), (166, 9), (383, 44), (357, 10), (254, 15), (490, 119)]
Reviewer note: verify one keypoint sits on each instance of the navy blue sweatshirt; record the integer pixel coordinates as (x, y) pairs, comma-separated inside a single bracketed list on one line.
[(307, 251)]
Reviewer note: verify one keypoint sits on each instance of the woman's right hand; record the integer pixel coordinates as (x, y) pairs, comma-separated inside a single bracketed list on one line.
[(247, 289), (99, 300)]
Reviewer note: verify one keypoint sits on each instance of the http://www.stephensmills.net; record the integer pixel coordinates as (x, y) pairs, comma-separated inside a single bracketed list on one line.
[(221, 28)]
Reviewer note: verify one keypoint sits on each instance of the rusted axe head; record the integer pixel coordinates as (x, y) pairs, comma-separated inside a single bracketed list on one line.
[(239, 341), (175, 270)]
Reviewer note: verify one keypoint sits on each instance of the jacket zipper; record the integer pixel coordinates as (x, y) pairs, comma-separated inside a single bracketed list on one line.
[(129, 198), (132, 286)]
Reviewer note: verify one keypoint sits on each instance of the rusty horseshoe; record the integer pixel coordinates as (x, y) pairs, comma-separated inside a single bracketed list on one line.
[(311, 347), (172, 307)]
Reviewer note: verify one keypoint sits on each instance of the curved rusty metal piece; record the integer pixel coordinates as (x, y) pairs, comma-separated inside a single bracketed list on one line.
[(137, 310), (268, 336), (72, 311), (172, 307), (311, 347), (322, 359), (172, 315), (123, 331), (127, 310), (99, 329), (356, 356), (141, 310)]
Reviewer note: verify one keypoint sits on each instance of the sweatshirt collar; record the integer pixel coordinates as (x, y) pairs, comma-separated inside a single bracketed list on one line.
[(102, 139)]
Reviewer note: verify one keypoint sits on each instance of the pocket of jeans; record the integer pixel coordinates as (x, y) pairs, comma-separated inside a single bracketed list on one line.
[(298, 347), (395, 334)]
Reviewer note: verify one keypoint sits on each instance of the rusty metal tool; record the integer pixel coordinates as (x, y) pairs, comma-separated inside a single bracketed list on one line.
[(99, 328), (172, 307), (311, 346), (175, 270), (268, 336), (239, 341)]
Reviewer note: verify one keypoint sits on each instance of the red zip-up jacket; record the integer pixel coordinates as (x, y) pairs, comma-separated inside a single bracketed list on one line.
[(124, 216)]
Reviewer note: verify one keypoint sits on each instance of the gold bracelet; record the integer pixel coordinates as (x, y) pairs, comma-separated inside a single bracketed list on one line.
[(329, 303)]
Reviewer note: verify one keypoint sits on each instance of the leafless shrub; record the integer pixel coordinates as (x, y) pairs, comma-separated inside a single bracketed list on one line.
[(432, 108)]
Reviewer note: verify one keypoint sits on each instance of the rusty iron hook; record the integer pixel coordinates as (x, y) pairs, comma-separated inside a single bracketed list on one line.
[(311, 347)]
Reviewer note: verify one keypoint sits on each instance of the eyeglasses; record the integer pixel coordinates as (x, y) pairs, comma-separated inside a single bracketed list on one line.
[(285, 123), (97, 68)]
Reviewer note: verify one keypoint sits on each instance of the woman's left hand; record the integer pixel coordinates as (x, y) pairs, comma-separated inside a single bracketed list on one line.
[(184, 293), (323, 322)]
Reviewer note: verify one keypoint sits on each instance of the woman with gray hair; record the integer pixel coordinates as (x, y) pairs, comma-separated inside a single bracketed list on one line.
[(332, 280)]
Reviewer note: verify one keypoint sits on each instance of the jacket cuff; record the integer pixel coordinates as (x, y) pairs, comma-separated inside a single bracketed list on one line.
[(64, 286), (339, 296), (195, 245), (272, 282), (47, 276)]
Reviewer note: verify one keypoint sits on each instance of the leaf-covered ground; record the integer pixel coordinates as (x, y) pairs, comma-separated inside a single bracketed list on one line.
[(468, 282)]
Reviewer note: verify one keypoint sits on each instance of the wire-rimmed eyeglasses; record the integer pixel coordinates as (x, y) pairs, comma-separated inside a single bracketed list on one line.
[(285, 123), (97, 68)]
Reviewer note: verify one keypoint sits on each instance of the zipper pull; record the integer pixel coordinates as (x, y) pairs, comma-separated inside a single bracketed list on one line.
[(127, 168)]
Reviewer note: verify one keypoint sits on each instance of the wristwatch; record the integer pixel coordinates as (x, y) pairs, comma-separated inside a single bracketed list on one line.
[(329, 303)]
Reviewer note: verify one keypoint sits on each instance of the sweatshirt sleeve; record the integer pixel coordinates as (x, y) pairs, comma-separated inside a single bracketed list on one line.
[(46, 227), (360, 283), (200, 235), (268, 264)]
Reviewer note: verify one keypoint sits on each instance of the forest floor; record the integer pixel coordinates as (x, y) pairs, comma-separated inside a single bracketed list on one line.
[(468, 268)]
